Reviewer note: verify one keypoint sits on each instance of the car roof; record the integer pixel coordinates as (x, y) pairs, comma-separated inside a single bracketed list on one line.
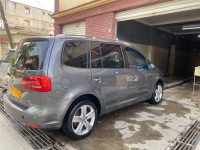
[(11, 49), (81, 37), (90, 38)]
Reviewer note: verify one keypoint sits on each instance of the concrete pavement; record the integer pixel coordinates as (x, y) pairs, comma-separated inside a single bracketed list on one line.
[(198, 146), (10, 138)]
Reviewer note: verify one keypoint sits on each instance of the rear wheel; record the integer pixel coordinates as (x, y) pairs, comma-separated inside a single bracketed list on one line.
[(157, 94), (81, 120)]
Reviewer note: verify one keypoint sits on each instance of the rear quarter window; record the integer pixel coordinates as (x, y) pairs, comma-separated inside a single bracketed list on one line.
[(31, 55), (75, 54), (111, 56)]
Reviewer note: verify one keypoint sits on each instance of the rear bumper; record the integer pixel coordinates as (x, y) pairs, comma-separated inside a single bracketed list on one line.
[(33, 115)]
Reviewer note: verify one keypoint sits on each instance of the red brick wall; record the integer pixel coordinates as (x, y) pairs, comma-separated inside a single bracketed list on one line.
[(116, 6), (101, 25), (4, 38), (57, 29)]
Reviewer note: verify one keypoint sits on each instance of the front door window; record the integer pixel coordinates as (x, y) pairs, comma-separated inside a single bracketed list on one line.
[(135, 59)]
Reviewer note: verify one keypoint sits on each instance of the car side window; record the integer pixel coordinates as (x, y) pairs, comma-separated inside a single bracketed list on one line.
[(95, 55), (75, 54), (111, 56), (135, 59)]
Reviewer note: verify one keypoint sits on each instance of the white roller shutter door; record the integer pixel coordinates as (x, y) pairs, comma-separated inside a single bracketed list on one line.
[(77, 28), (158, 9)]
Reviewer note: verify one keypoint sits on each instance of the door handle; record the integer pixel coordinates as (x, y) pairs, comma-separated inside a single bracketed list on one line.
[(98, 80), (133, 77)]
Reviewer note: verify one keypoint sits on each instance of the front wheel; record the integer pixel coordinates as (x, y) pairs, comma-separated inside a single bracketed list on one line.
[(81, 120), (157, 94)]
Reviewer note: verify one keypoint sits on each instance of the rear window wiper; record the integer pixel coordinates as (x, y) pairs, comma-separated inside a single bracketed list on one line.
[(18, 67), (5, 61)]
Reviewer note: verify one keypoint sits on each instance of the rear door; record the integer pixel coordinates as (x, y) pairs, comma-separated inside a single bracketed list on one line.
[(69, 70), (108, 74), (139, 73), (30, 60)]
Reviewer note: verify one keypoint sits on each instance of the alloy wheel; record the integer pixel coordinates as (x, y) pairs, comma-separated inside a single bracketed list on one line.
[(158, 93), (83, 120)]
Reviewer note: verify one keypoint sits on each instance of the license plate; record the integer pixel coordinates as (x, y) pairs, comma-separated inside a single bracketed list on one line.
[(16, 92), (0, 81)]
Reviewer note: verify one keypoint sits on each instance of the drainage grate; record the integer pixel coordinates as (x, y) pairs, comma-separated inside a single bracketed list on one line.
[(188, 139), (37, 138)]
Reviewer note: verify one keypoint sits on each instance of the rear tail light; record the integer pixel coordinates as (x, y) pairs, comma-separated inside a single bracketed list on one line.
[(31, 124), (37, 83)]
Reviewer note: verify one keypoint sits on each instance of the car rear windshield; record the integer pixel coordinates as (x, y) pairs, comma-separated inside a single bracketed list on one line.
[(31, 55), (7, 56)]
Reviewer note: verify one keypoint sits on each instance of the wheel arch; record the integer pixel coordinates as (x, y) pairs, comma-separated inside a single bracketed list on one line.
[(80, 98), (161, 82)]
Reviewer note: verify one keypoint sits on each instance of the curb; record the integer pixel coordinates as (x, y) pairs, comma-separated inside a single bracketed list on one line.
[(171, 85)]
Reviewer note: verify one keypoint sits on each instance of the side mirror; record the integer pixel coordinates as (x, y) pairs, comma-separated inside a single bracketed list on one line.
[(151, 66)]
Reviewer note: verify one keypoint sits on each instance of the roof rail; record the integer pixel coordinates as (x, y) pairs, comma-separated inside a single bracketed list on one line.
[(90, 37)]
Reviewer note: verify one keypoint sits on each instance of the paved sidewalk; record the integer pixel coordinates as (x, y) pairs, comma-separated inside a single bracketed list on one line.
[(198, 146), (10, 138)]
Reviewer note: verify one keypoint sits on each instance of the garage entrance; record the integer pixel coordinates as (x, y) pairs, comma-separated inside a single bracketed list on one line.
[(170, 39)]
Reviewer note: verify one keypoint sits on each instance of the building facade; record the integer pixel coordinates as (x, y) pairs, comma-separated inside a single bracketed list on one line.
[(24, 21), (155, 27)]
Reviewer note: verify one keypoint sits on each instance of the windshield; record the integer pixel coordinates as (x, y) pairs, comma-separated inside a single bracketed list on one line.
[(7, 56), (30, 55)]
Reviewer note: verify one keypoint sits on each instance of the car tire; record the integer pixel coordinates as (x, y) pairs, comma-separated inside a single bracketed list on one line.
[(81, 120), (157, 94)]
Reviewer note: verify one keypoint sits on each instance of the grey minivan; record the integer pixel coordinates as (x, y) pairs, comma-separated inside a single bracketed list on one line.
[(67, 82)]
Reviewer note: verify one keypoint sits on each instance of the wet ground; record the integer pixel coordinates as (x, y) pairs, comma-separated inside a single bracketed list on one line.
[(141, 126), (177, 78)]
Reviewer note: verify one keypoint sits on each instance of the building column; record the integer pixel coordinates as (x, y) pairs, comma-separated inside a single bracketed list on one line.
[(101, 25), (56, 6), (57, 29)]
